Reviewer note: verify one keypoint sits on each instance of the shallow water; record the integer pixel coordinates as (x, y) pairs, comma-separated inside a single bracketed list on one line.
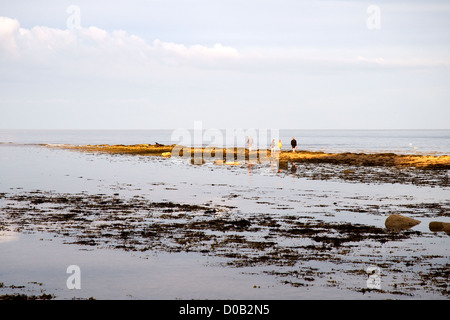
[(113, 274), (39, 260)]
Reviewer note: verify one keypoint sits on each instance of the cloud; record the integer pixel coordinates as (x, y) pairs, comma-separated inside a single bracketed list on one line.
[(196, 51), (95, 50), (196, 55), (46, 46)]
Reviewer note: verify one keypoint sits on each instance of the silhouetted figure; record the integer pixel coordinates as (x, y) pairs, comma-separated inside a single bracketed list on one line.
[(294, 144)]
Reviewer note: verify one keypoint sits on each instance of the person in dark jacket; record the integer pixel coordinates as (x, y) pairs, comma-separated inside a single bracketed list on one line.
[(294, 144)]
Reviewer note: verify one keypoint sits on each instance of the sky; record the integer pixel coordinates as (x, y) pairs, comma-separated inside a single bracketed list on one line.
[(164, 64)]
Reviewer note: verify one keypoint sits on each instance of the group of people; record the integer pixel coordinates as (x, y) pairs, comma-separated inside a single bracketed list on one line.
[(272, 145), (280, 145)]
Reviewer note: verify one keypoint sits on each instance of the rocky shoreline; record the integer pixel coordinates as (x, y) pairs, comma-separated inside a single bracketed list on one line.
[(301, 156), (349, 167)]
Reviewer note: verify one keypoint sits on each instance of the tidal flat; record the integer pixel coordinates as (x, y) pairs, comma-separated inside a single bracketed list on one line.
[(174, 230)]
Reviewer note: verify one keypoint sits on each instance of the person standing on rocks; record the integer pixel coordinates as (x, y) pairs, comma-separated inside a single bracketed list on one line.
[(294, 144)]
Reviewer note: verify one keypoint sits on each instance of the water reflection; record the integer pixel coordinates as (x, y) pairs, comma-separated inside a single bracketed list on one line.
[(8, 236)]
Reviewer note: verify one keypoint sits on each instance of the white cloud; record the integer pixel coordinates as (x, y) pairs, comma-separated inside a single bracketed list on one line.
[(42, 44), (196, 51), (95, 50)]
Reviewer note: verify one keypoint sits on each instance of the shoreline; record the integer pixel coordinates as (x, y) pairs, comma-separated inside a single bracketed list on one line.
[(302, 156)]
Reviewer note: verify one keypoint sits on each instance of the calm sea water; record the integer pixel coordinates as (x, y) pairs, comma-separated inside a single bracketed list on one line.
[(397, 141), (40, 258)]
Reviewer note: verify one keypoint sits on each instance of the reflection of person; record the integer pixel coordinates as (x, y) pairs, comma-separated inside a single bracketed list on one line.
[(280, 145), (250, 143), (293, 169), (294, 144)]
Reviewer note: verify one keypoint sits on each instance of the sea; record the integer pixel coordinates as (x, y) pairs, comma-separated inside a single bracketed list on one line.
[(431, 142), (38, 261)]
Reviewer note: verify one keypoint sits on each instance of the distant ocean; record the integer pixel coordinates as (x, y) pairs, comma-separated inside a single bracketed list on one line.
[(435, 142)]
